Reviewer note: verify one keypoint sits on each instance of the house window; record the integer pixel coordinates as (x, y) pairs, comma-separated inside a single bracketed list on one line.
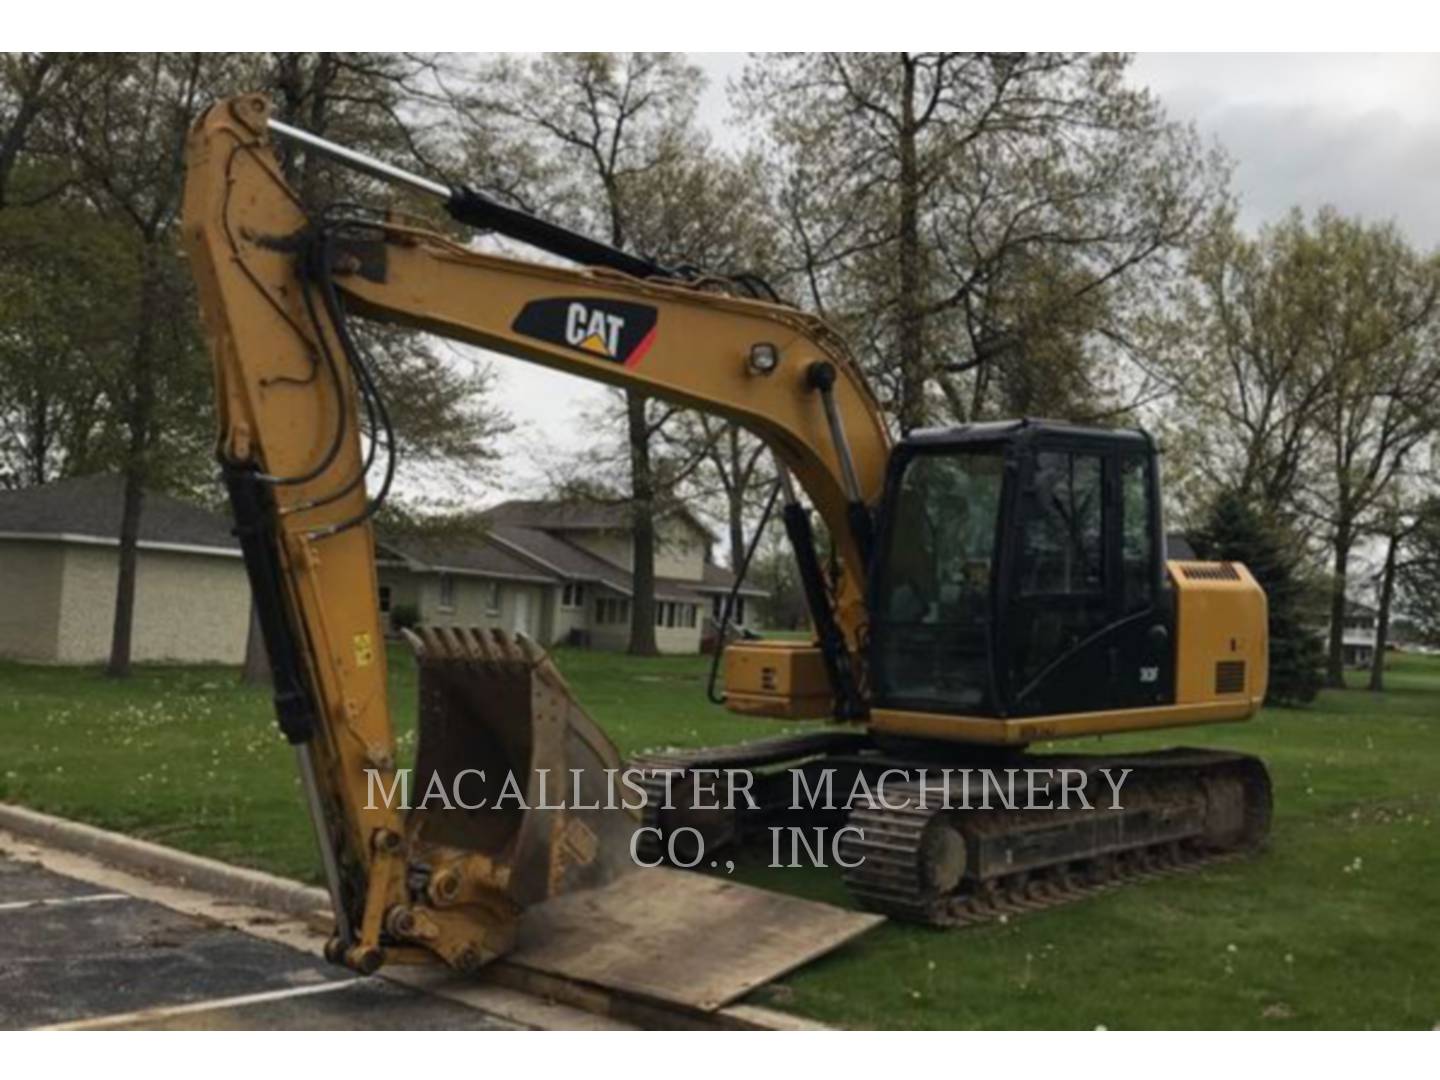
[(492, 598), (737, 610), (384, 599), (572, 595), (612, 611), (447, 592)]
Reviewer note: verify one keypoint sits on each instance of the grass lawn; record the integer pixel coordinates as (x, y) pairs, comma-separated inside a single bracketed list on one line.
[(1336, 926)]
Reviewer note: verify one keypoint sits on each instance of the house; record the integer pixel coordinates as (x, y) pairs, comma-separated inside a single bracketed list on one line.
[(59, 555), (555, 572), (561, 573), (1358, 635)]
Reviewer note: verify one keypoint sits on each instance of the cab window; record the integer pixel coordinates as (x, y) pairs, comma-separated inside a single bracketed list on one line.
[(1137, 540), (1063, 543), (930, 620)]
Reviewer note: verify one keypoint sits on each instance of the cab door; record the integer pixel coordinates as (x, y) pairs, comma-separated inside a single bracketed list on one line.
[(1082, 597)]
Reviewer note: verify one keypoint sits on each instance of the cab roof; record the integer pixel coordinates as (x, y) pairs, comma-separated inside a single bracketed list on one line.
[(1000, 431)]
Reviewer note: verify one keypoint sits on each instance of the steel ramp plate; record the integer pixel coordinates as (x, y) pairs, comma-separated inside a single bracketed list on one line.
[(681, 938)]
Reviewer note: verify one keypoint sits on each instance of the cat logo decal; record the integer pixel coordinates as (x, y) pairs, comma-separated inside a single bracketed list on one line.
[(613, 330)]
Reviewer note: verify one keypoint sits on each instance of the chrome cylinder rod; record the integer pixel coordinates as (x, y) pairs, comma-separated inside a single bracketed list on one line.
[(318, 819), (382, 170)]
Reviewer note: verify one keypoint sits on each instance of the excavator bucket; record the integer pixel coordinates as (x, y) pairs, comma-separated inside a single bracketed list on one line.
[(534, 783), (539, 804)]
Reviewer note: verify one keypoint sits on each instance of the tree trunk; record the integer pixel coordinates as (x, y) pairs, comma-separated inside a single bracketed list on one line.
[(642, 531), (912, 411), (256, 669), (27, 111), (120, 638), (735, 507), (1382, 619), (1335, 658), (138, 421)]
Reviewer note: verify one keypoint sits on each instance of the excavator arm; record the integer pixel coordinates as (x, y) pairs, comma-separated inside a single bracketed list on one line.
[(302, 420)]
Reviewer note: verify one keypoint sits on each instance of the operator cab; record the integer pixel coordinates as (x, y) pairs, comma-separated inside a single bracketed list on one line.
[(1020, 571)]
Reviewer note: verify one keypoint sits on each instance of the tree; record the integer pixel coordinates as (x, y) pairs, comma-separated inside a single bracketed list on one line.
[(65, 291), (1401, 514), (30, 85), (1248, 378), (125, 133), (1418, 574), (989, 228), (58, 282), (1377, 340), (1310, 370), (785, 607), (734, 471), (1236, 529), (101, 355), (611, 123)]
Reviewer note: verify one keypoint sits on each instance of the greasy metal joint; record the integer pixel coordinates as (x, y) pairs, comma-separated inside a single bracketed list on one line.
[(400, 922), (364, 959), (387, 841)]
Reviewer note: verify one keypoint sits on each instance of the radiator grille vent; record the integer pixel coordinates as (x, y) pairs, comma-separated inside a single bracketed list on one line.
[(1210, 571), (1230, 677)]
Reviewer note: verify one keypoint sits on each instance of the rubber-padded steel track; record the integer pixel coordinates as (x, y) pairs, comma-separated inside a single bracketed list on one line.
[(945, 866)]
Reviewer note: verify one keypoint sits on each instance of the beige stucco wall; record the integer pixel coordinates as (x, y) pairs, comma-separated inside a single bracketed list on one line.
[(615, 548), (472, 602), (189, 608), (615, 637), (565, 619), (680, 639), (30, 576), (679, 549)]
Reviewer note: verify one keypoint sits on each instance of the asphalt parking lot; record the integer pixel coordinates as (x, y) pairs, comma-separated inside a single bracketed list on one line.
[(73, 952)]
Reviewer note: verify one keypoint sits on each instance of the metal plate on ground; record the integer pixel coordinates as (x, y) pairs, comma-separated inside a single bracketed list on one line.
[(681, 938)]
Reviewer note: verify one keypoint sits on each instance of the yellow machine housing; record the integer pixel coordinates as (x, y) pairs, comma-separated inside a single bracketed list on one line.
[(781, 679)]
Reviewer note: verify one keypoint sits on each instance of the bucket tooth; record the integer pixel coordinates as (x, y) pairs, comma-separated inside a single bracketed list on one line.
[(415, 641), (475, 645)]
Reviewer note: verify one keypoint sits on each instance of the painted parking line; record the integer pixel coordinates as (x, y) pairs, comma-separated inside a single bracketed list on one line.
[(61, 901), (164, 1012)]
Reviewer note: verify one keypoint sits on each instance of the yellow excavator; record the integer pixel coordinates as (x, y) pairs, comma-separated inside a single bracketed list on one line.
[(986, 587)]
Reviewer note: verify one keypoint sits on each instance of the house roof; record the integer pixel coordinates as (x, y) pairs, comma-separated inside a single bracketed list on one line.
[(530, 552), (578, 515), (87, 509), (557, 555), (574, 563), (480, 556), (718, 579)]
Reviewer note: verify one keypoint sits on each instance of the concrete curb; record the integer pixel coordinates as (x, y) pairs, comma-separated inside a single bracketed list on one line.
[(253, 887)]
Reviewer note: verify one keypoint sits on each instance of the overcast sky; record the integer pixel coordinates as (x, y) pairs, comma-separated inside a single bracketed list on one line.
[(1360, 132)]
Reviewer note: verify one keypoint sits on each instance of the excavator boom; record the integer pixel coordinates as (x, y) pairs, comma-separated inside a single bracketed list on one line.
[(303, 424)]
